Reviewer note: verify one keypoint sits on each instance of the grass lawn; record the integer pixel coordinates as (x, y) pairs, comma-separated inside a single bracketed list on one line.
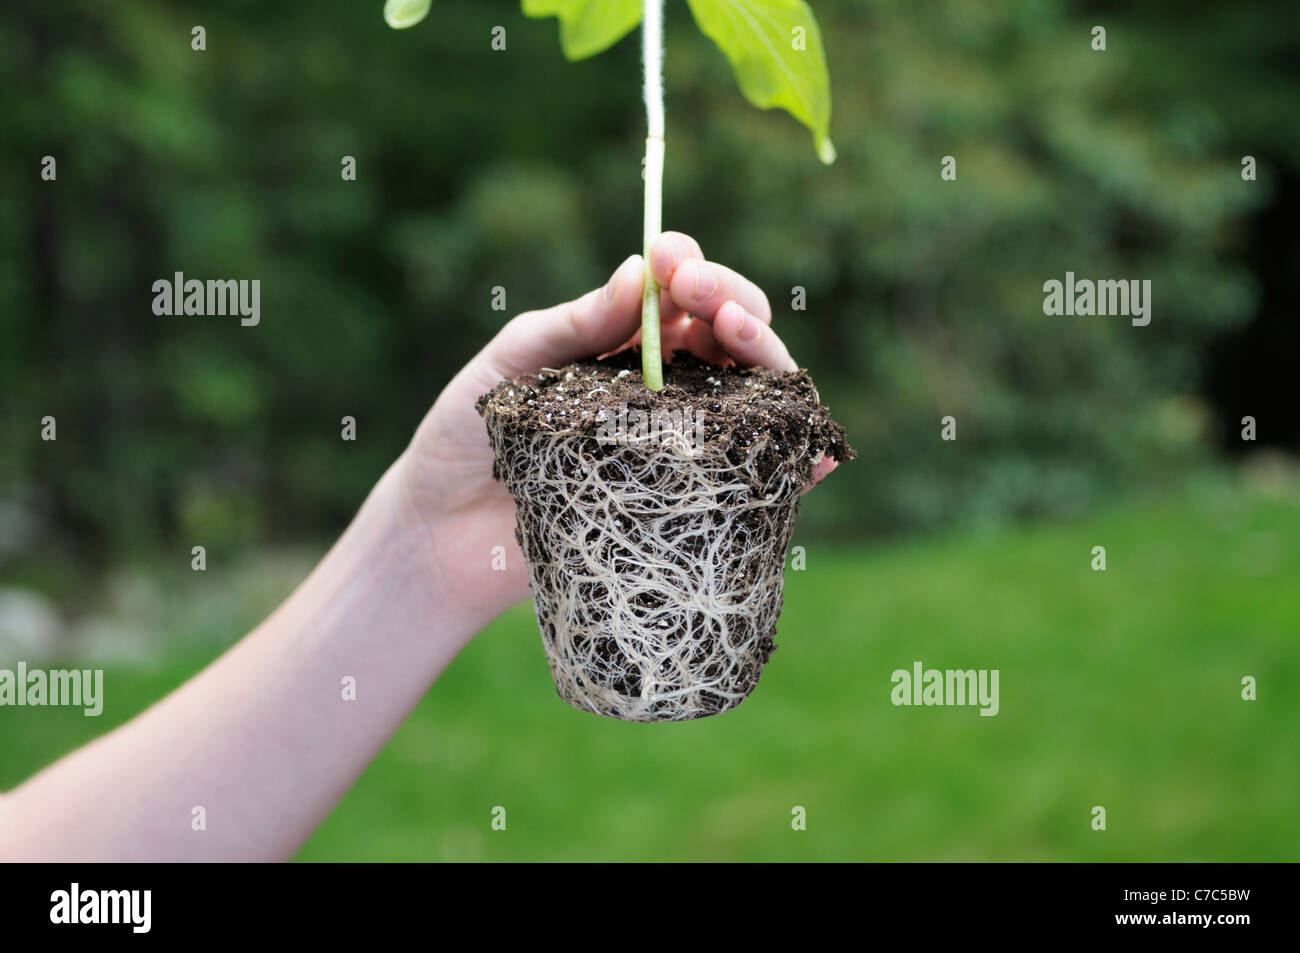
[(1119, 688)]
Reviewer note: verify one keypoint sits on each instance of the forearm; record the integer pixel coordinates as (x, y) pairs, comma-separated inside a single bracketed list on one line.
[(264, 740)]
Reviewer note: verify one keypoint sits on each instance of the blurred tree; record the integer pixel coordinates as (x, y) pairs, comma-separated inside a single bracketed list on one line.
[(479, 169)]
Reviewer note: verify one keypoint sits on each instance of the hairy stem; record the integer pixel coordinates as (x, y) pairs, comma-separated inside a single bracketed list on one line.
[(652, 366)]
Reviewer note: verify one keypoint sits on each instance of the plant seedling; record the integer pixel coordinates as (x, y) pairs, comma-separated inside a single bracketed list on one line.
[(775, 50), (655, 520)]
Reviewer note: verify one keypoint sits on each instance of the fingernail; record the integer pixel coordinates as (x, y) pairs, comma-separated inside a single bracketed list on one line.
[(748, 329), (705, 282)]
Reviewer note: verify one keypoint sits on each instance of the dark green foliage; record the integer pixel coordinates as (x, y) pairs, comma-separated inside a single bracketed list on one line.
[(479, 169)]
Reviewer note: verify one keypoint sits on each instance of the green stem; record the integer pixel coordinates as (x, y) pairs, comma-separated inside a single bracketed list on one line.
[(652, 365), (652, 359)]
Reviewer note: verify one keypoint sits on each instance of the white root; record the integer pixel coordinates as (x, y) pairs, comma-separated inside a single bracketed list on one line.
[(656, 570)]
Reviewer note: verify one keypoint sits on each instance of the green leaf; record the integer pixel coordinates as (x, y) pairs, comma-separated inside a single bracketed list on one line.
[(775, 49), (588, 26), (399, 14)]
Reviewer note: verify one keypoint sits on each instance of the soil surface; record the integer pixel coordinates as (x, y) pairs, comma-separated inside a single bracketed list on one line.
[(736, 405)]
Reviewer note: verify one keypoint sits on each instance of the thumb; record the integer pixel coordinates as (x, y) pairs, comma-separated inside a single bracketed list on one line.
[(599, 321)]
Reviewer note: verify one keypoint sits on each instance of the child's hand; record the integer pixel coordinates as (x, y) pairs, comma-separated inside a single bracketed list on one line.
[(705, 308)]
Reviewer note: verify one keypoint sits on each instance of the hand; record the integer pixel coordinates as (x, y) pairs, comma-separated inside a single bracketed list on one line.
[(705, 308)]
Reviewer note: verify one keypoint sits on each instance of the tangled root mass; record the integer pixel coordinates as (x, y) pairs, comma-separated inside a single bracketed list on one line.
[(656, 525)]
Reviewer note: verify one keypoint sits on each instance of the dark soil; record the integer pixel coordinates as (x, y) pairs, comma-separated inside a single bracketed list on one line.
[(735, 404)]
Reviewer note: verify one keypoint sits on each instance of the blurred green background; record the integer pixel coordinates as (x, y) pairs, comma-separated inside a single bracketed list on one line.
[(478, 169)]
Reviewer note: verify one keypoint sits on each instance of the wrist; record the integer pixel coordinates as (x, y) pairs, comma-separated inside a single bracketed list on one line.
[(469, 544), (386, 567)]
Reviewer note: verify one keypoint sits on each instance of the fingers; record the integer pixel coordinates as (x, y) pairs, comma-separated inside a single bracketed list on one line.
[(733, 317), (700, 287), (694, 336), (597, 322), (821, 470), (736, 308), (750, 341), (703, 343), (668, 251)]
